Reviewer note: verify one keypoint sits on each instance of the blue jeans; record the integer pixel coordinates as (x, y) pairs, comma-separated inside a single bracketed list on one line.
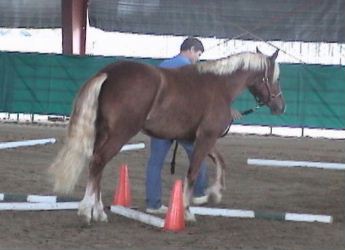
[(159, 150)]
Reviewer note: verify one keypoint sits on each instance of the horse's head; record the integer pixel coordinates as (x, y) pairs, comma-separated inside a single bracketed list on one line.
[(266, 87)]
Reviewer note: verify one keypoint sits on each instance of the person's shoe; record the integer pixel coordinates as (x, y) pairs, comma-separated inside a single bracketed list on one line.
[(161, 210), (200, 200)]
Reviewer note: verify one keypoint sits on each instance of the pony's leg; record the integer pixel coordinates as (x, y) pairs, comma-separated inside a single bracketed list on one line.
[(91, 207), (95, 176), (87, 203), (202, 147), (187, 196), (90, 204), (106, 147), (214, 191)]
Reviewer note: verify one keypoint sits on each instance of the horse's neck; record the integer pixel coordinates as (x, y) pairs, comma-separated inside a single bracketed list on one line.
[(240, 70), (238, 82)]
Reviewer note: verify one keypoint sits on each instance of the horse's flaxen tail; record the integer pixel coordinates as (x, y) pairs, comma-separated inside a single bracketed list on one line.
[(77, 151)]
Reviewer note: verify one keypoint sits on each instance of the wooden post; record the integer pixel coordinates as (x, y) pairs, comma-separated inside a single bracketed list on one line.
[(73, 15)]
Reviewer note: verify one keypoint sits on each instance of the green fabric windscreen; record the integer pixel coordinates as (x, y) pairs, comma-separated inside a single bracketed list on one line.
[(47, 84)]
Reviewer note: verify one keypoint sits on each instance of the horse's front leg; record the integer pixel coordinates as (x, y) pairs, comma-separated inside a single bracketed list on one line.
[(202, 147)]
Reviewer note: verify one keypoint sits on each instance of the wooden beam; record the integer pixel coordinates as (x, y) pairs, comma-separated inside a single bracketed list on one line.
[(73, 14)]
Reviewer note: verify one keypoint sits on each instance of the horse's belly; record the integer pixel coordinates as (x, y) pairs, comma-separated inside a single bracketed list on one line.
[(169, 127)]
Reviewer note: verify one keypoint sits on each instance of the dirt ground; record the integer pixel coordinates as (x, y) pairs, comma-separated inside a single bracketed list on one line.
[(315, 191)]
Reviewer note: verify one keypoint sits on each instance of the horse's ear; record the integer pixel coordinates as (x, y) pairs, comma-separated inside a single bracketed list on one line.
[(258, 51), (275, 55)]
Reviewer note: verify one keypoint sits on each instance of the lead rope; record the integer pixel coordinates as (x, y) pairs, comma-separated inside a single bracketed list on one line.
[(172, 163)]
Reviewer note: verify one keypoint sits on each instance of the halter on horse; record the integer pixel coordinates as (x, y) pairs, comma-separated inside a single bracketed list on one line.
[(190, 103)]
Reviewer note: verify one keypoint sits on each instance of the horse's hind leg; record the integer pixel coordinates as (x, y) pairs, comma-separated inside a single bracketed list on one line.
[(91, 207), (214, 192), (107, 145)]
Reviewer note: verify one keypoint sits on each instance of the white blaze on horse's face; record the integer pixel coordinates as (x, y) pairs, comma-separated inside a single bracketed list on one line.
[(276, 101), (276, 73), (266, 88)]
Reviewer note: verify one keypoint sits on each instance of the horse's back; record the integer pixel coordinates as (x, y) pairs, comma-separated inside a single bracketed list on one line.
[(130, 78), (129, 90), (129, 71)]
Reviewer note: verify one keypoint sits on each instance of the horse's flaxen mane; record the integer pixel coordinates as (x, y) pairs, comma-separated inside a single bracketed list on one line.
[(244, 60)]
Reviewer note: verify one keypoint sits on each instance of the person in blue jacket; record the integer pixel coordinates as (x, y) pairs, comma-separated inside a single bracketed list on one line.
[(190, 52)]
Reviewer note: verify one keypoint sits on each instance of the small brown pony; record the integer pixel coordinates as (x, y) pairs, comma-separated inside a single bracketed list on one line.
[(190, 103)]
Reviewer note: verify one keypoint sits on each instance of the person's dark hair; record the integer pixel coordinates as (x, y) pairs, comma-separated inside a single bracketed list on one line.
[(190, 42)]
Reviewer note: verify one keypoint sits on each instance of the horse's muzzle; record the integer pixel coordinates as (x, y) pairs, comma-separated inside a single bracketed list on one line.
[(277, 106)]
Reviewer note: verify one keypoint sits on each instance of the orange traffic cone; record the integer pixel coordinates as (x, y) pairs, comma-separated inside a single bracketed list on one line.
[(174, 220), (123, 196)]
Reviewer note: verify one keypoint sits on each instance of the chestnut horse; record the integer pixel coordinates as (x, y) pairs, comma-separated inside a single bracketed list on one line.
[(190, 103)]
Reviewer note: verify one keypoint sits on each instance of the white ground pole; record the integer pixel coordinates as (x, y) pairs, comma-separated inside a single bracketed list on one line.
[(308, 164), (123, 211), (237, 213), (137, 215), (158, 222), (129, 147), (25, 143), (27, 206), (9, 197)]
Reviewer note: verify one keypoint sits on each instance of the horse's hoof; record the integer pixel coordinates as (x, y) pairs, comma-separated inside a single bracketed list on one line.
[(85, 213), (214, 195), (86, 219), (104, 219), (215, 198), (100, 216), (189, 216)]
